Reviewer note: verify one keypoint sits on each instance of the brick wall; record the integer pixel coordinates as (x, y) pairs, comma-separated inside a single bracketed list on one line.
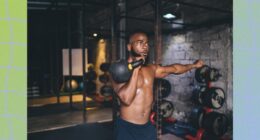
[(212, 45)]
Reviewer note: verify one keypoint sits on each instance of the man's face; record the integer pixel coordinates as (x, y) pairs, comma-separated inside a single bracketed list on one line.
[(138, 46)]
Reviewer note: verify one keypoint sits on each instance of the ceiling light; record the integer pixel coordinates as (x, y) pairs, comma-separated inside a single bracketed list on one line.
[(95, 34), (169, 16)]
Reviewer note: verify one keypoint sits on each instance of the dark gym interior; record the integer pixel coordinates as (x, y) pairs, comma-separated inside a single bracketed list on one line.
[(71, 44)]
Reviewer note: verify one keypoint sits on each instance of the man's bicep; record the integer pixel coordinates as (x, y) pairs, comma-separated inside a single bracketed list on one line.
[(117, 86), (163, 71), (160, 72)]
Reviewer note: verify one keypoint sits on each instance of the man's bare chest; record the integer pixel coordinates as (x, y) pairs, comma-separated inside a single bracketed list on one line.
[(145, 78)]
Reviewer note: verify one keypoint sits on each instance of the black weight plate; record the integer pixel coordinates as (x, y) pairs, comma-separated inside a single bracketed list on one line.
[(214, 74), (215, 98), (106, 90), (104, 78), (215, 123), (164, 87), (104, 67), (201, 74), (166, 108)]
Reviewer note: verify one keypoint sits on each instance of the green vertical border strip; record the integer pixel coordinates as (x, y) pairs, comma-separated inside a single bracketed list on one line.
[(246, 69), (13, 69)]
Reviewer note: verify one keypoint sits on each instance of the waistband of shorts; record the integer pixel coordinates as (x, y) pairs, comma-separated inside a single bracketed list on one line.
[(133, 124)]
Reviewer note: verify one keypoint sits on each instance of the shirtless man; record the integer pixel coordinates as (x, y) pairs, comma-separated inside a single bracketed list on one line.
[(136, 95)]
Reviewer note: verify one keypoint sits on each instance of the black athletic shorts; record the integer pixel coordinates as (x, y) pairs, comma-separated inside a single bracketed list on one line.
[(124, 130)]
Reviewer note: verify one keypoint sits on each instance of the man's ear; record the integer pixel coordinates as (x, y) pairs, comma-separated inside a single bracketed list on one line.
[(129, 47)]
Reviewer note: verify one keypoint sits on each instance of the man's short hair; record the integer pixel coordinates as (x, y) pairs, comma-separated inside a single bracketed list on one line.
[(135, 32)]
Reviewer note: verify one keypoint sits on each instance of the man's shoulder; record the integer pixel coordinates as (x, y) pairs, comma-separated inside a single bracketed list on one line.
[(151, 66)]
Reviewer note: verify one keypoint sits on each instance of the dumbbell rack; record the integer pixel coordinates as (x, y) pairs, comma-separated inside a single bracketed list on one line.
[(208, 82), (106, 90), (193, 132)]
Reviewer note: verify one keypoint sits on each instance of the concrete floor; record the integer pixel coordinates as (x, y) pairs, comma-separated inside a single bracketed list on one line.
[(44, 113), (67, 119)]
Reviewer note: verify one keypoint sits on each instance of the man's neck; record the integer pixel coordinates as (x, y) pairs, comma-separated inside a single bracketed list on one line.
[(132, 59)]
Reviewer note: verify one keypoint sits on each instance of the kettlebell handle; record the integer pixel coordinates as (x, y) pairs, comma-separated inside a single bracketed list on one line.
[(135, 64)]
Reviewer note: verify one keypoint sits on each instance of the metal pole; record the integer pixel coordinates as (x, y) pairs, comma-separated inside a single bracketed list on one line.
[(51, 82), (51, 46), (158, 34), (82, 43), (113, 46), (158, 53), (113, 31), (70, 57), (122, 26), (57, 54)]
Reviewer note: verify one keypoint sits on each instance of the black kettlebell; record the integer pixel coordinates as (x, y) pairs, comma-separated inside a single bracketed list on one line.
[(121, 70)]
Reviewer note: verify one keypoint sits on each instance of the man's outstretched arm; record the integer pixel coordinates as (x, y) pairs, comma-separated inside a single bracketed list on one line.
[(162, 71)]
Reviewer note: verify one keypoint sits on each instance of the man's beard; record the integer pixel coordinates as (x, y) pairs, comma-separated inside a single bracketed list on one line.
[(134, 55)]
